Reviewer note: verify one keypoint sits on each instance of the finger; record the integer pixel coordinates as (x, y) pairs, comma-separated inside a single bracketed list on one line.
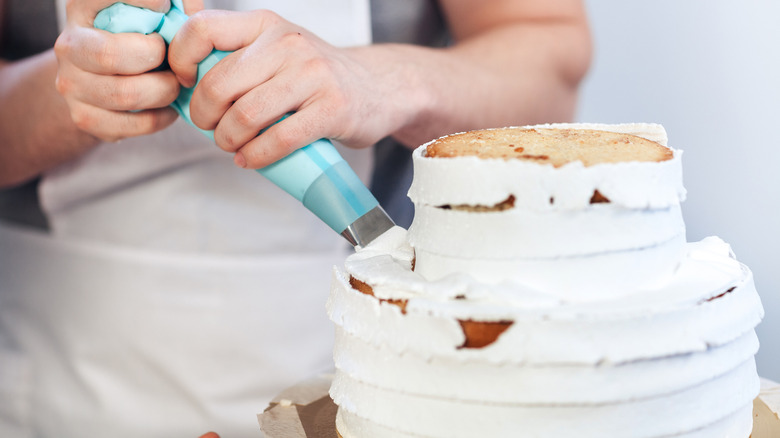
[(102, 52), (276, 143), (83, 12), (115, 125), (209, 30), (209, 435), (120, 93), (256, 110)]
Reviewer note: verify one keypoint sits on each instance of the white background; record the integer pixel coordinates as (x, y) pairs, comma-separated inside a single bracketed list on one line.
[(709, 71)]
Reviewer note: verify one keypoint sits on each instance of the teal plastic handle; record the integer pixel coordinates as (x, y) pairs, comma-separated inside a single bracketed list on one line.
[(316, 174)]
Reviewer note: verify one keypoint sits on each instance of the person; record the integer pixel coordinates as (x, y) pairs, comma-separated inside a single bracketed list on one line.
[(175, 291)]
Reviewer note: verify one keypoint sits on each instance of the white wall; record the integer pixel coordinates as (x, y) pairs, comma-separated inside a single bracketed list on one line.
[(709, 71)]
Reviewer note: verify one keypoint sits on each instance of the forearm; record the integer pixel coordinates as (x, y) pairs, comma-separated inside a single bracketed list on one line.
[(36, 130), (509, 75)]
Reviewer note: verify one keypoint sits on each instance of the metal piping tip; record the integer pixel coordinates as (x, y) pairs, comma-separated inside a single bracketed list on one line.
[(368, 227)]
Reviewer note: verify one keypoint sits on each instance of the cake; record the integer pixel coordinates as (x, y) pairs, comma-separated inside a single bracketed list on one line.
[(545, 289)]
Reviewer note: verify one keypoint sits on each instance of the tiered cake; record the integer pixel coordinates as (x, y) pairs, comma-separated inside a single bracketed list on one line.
[(545, 289)]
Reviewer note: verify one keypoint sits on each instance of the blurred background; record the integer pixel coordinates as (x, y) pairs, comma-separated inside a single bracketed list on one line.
[(709, 71)]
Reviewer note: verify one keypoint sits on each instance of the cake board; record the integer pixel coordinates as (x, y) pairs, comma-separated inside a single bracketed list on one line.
[(307, 411)]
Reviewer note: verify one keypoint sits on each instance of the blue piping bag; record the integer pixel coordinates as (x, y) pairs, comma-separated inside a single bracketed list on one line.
[(316, 174)]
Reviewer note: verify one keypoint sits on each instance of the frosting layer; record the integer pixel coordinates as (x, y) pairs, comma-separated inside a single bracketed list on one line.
[(549, 234)]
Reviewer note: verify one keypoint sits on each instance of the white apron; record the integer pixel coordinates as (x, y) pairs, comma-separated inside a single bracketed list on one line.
[(176, 293)]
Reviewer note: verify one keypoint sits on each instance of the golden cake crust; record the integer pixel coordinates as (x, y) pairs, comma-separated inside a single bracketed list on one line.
[(550, 146)]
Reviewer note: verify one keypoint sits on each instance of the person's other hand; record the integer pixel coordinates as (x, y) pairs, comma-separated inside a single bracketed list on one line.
[(277, 68), (105, 78)]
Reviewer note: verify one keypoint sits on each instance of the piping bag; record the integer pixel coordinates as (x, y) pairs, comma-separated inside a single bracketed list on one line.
[(316, 174)]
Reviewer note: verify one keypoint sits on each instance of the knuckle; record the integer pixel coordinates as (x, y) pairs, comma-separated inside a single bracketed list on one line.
[(198, 24), (337, 102), (228, 142), (107, 56), (334, 103), (226, 139), (321, 68), (82, 120), (62, 45), (214, 86), (295, 41), (246, 114), (268, 17), (62, 85), (126, 95), (286, 140)]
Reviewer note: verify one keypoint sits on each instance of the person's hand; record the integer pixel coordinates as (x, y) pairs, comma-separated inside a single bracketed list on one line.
[(105, 78), (277, 68), (210, 435)]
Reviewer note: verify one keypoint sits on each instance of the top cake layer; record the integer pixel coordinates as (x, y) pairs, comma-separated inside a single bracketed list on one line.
[(558, 167), (550, 146)]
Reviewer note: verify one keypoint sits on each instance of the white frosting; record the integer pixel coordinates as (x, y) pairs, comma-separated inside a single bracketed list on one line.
[(676, 319), (542, 384), (548, 234), (616, 321), (578, 278)]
